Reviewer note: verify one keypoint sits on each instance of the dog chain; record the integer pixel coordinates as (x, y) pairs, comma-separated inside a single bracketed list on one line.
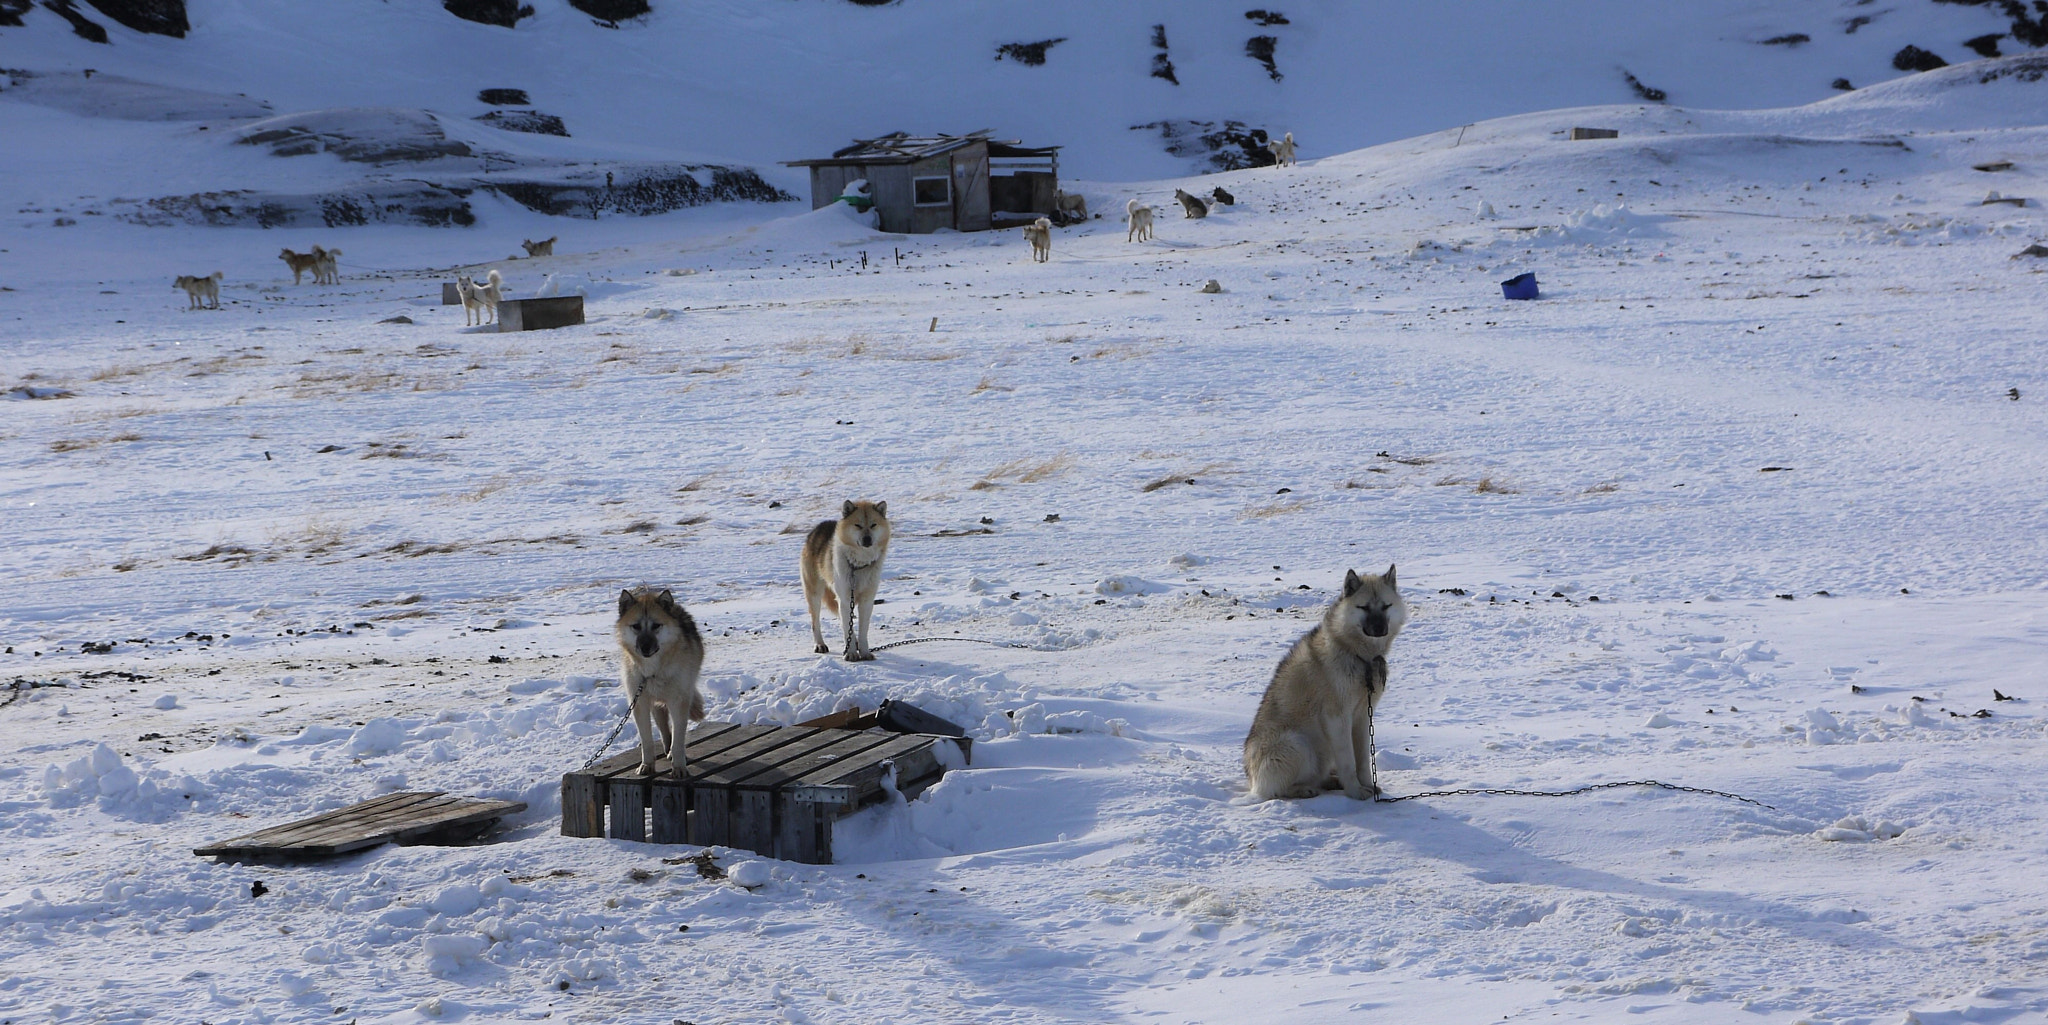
[(620, 726), (1373, 751), (609, 737), (964, 640)]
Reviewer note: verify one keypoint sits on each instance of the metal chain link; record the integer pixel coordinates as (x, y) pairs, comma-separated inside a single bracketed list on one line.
[(964, 640), (609, 737)]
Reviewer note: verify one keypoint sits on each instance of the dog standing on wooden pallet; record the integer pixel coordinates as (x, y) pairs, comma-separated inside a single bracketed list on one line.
[(842, 570), (1314, 726), (661, 655)]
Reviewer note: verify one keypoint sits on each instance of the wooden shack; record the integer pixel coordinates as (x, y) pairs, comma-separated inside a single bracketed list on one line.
[(922, 183)]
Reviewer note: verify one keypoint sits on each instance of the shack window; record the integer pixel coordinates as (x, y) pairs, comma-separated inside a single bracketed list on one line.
[(937, 191)]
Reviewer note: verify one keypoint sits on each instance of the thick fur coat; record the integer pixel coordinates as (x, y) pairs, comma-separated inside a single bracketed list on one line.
[(661, 655), (842, 571), (1312, 730)]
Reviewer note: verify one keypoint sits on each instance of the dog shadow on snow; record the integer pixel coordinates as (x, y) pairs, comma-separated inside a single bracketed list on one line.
[(1432, 835)]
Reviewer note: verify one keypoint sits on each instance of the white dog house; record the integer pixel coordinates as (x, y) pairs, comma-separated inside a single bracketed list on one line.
[(921, 183)]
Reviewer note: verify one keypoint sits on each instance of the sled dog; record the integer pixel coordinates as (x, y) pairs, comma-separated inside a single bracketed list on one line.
[(197, 289), (660, 655), (1283, 151), (478, 300), (544, 247), (325, 272), (1191, 206), (842, 570), (1070, 208), (1140, 218), (1311, 730), (1222, 197), (300, 263), (1039, 234)]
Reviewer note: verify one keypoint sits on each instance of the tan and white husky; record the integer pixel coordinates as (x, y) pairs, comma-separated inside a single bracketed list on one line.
[(660, 655), (842, 570), (197, 289), (300, 263), (479, 299), (1312, 729)]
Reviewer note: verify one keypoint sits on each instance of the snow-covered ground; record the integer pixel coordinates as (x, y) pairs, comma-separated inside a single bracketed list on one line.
[(1765, 415)]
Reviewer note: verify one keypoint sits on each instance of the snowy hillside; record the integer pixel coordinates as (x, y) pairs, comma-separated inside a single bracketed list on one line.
[(1749, 502), (1132, 91)]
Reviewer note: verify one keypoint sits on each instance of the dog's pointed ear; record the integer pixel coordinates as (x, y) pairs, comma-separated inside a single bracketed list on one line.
[(1352, 582), (882, 507), (1390, 575), (625, 601), (667, 598), (846, 509)]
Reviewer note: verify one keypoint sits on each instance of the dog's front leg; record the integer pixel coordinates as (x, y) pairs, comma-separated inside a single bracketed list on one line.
[(678, 734), (842, 580), (643, 718), (1344, 751), (867, 616), (1361, 748)]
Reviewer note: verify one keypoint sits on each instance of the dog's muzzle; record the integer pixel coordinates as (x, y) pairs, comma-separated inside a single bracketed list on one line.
[(1375, 624), (647, 645)]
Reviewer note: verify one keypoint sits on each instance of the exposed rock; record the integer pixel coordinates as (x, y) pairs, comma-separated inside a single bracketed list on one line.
[(374, 203), (1028, 54), (1264, 17), (639, 190), (1162, 62), (1913, 58), (370, 135), (157, 17), (11, 12), (1792, 39), (503, 97), (505, 13), (1260, 48), (85, 27), (1986, 46), (1643, 92), (1230, 147), (611, 12), (531, 121)]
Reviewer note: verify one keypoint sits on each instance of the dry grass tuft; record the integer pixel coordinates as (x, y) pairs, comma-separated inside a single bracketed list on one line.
[(1280, 508), (636, 527), (1024, 471), (72, 444), (1488, 486), (1602, 488)]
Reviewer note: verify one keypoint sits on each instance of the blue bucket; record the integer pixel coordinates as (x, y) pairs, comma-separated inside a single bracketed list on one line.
[(1521, 286)]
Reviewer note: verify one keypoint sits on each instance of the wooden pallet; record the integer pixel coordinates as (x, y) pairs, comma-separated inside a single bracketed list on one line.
[(773, 790), (410, 817)]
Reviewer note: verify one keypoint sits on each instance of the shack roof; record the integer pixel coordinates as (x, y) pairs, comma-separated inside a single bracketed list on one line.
[(905, 148)]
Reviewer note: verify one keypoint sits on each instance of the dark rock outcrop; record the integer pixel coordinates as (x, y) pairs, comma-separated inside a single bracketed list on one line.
[(504, 13), (611, 11), (1229, 146), (86, 28), (157, 17), (503, 97), (530, 121), (1913, 58)]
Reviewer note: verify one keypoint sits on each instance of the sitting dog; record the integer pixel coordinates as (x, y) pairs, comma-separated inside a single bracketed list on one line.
[(1191, 206), (1070, 209), (1039, 234), (660, 655), (1283, 151), (1140, 218), (1222, 197), (1314, 726), (544, 247), (300, 263), (325, 271), (196, 289), (842, 570)]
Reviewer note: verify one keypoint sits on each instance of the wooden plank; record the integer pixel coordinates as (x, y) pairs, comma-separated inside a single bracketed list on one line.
[(727, 767), (761, 771), (628, 798), (753, 825), (380, 820), (839, 749), (802, 831), (384, 820), (711, 734), (284, 834), (671, 813), (865, 779), (582, 805), (711, 822), (453, 813)]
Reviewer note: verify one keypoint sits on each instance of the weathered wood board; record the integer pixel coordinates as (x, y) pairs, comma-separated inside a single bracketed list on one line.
[(773, 790), (539, 314), (415, 816)]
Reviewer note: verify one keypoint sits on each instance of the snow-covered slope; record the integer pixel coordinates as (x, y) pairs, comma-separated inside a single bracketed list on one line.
[(755, 83), (1749, 502)]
